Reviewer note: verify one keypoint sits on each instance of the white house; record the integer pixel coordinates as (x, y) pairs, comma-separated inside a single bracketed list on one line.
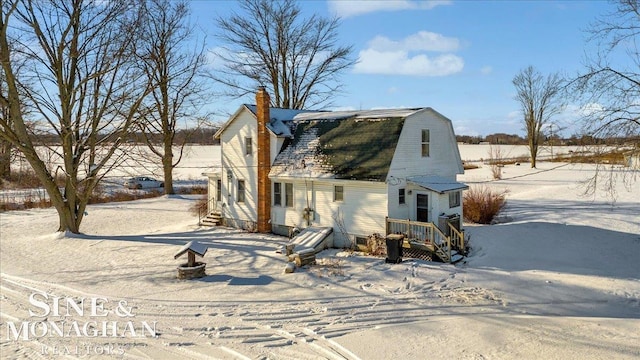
[(347, 170)]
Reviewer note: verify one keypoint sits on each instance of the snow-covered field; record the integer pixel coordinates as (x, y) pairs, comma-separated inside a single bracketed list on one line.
[(559, 280)]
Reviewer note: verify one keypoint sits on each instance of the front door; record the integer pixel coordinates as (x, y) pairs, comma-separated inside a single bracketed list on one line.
[(422, 207)]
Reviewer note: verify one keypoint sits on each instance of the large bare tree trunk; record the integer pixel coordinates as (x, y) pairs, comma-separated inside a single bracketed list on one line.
[(177, 70), (5, 159), (87, 91)]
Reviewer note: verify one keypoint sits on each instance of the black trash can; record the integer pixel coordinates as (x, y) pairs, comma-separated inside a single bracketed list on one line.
[(394, 248)]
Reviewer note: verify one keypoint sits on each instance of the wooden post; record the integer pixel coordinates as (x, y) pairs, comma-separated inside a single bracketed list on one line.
[(192, 259), (409, 229)]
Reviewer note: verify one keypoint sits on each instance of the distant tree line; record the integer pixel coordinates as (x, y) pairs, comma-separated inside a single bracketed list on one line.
[(195, 136), (573, 140)]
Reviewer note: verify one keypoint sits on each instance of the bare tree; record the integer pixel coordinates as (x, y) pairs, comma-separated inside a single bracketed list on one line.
[(178, 71), (270, 43), (85, 91), (609, 90), (5, 146), (540, 100)]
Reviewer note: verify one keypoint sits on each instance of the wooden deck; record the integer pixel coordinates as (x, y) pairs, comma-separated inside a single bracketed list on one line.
[(428, 237)]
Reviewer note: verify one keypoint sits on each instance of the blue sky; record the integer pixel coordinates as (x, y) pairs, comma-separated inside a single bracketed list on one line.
[(458, 57)]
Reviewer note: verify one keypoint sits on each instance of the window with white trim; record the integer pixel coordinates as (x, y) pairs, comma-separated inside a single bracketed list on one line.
[(425, 142), (401, 196), (338, 193), (288, 194), (240, 191), (277, 194), (454, 199), (248, 146)]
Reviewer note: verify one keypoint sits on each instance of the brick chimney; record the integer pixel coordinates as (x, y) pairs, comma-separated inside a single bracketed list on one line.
[(264, 161)]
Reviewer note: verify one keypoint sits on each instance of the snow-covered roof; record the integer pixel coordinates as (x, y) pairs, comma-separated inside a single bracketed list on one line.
[(340, 148), (279, 128), (279, 113), (193, 246), (356, 114), (436, 183), (278, 117)]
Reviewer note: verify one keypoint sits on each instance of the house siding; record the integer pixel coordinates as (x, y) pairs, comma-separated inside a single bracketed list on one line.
[(241, 166), (443, 160), (362, 211), (365, 204)]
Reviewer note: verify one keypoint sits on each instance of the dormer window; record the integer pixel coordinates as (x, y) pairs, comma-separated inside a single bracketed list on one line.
[(248, 146), (425, 142)]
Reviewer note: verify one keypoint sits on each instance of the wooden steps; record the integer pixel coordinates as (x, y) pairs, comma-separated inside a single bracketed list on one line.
[(212, 219)]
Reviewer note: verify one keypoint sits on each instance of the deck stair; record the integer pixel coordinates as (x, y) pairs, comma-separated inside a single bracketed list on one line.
[(443, 254)]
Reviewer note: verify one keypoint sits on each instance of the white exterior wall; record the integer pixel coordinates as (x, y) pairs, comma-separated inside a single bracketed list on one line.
[(443, 160), (241, 166), (444, 157), (363, 210)]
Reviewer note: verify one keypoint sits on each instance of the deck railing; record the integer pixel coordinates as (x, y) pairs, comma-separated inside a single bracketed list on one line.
[(428, 233), (422, 232), (457, 238)]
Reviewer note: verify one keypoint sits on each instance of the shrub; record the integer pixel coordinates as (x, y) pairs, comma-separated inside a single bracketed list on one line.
[(376, 245), (117, 196), (482, 204), (200, 206), (192, 190), (26, 179)]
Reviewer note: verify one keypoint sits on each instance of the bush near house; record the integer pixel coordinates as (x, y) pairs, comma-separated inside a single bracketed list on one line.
[(482, 204)]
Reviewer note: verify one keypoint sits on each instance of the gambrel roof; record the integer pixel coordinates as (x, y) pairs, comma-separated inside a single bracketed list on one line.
[(349, 145), (353, 145)]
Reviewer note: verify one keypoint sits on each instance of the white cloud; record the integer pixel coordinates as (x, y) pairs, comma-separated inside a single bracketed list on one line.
[(486, 70), (513, 115), (590, 109), (422, 40), (216, 57), (347, 8), (408, 57)]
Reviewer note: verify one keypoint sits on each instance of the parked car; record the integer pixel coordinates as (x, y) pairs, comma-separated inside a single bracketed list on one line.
[(142, 182)]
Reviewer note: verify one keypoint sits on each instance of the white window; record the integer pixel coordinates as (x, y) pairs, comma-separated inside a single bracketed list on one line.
[(338, 193), (240, 191), (401, 197), (277, 194), (425, 142), (248, 146), (454, 199), (288, 194)]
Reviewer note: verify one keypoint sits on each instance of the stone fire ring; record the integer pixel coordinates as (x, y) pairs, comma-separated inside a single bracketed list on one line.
[(191, 272)]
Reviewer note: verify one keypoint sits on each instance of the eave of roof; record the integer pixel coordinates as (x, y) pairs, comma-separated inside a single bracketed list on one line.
[(436, 183)]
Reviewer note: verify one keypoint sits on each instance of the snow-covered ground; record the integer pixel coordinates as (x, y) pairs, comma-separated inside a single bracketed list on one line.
[(559, 280)]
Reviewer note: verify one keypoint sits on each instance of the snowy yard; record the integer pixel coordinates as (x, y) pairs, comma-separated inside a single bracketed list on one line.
[(559, 280)]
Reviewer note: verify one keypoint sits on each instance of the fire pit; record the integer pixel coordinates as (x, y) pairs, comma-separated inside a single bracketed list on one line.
[(192, 269)]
